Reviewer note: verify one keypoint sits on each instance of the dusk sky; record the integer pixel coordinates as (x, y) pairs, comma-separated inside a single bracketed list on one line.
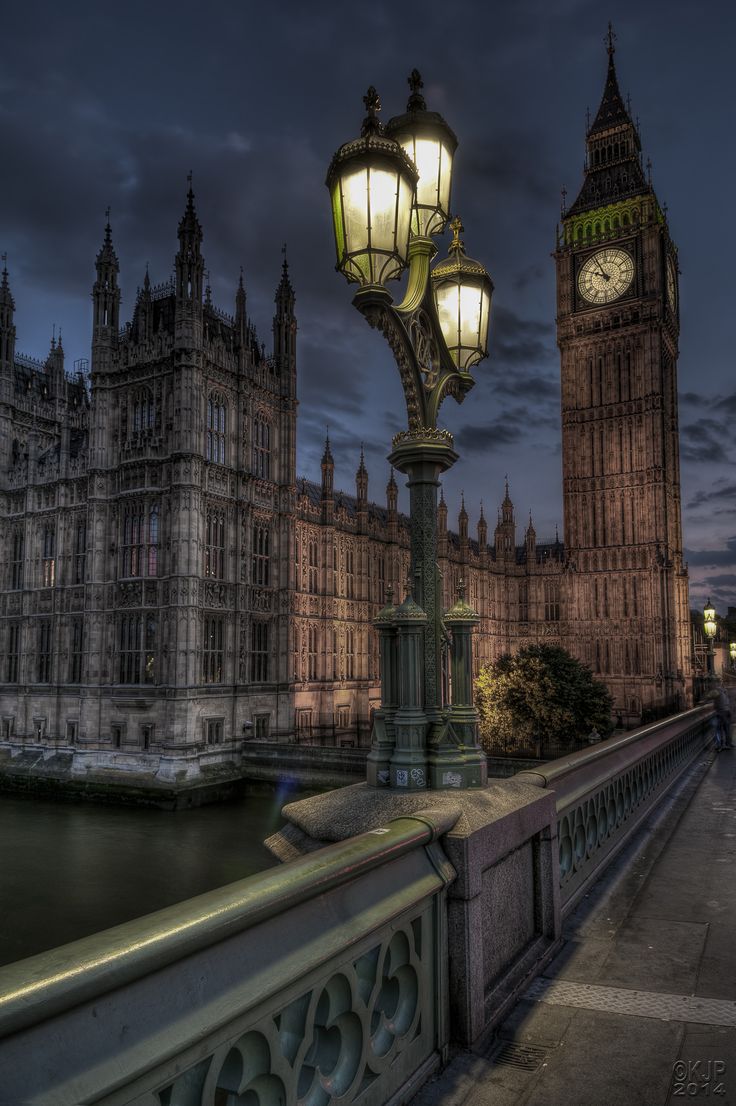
[(113, 105)]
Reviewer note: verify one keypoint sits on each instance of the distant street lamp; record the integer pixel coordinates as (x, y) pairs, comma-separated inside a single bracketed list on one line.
[(709, 627), (390, 191)]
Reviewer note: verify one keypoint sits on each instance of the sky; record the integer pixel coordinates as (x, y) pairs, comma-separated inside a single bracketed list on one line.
[(114, 104)]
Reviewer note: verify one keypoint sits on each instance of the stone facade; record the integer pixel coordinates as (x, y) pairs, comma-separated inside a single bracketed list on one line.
[(170, 587)]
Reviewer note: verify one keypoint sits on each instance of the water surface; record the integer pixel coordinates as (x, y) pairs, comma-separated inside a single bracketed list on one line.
[(68, 869)]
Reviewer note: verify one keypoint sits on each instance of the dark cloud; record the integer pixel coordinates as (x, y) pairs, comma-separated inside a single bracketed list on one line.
[(517, 341), (704, 441), (709, 557), (113, 105), (728, 491)]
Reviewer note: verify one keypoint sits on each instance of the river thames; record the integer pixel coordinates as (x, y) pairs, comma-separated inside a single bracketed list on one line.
[(68, 869)]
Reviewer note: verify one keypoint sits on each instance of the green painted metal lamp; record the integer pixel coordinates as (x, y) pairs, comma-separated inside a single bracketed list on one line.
[(390, 191)]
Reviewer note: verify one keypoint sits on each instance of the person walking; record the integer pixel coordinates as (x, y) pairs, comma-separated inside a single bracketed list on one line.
[(722, 704)]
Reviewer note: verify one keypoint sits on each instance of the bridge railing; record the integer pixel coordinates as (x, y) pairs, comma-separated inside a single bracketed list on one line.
[(604, 793), (322, 979)]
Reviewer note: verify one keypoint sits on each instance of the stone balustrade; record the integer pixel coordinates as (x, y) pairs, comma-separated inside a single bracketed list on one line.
[(323, 978), (345, 973)]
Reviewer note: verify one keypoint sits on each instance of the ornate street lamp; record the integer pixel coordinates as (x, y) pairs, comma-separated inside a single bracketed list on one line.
[(386, 187), (732, 651), (372, 184), (709, 627), (462, 292)]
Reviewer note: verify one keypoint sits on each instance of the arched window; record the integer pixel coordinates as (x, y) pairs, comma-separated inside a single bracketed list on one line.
[(261, 448), (137, 648), (313, 582), (312, 654), (216, 429), (214, 550), (625, 218), (140, 539), (144, 411), (213, 649), (261, 562)]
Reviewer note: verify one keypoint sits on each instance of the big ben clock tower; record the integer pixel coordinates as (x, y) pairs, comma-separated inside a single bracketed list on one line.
[(617, 329)]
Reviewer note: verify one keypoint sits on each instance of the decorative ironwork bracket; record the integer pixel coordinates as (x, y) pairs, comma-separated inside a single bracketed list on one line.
[(413, 332)]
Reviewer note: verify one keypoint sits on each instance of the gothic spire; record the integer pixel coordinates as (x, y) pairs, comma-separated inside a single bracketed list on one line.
[(105, 291), (327, 455), (613, 165), (285, 292), (6, 297), (612, 111), (7, 326), (190, 231)]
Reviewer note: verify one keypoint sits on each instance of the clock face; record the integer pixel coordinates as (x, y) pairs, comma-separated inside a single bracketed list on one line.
[(671, 284), (606, 275)]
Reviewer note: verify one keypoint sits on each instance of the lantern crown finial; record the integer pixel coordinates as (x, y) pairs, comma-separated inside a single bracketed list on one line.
[(457, 228), (416, 100), (371, 123)]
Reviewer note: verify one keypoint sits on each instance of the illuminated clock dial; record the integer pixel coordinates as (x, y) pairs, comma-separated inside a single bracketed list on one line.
[(606, 275), (671, 284)]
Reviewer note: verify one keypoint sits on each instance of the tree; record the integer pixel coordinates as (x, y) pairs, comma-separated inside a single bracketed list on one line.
[(540, 693)]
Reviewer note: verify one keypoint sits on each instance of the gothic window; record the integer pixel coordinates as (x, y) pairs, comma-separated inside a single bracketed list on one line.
[(261, 448), (16, 564), (598, 656), (214, 550), (349, 574), (634, 598), (605, 598), (349, 654), (144, 411), (214, 730), (12, 653), (523, 601), (216, 429), (595, 598), (312, 654), (259, 652), (76, 650), (43, 667), (313, 568), (137, 641), (48, 561), (261, 558), (140, 540), (80, 550), (551, 601), (625, 593), (213, 649), (381, 597)]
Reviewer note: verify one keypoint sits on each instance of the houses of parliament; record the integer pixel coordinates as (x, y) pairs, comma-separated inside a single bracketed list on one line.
[(169, 585)]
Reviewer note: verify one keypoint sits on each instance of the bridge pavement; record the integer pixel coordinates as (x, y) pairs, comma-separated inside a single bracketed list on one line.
[(638, 1008)]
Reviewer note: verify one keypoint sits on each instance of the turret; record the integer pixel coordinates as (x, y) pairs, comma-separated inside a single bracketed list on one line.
[(530, 542), (7, 323), (328, 481), (505, 535), (361, 481), (284, 324), (55, 366), (143, 314), (189, 263), (442, 525), (462, 522), (482, 531), (105, 300), (241, 321)]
